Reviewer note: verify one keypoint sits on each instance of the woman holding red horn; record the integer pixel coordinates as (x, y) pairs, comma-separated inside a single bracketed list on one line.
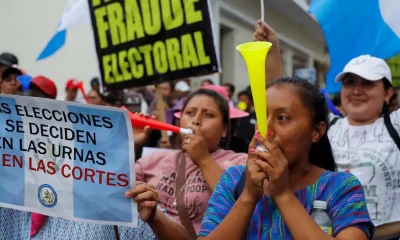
[(186, 178)]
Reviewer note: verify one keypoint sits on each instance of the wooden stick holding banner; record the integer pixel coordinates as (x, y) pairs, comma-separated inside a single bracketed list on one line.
[(161, 108)]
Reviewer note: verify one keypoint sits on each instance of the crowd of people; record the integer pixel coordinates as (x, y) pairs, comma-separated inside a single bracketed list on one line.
[(200, 185)]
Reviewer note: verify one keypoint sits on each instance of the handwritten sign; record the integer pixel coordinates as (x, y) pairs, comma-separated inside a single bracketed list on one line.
[(66, 160), (142, 42)]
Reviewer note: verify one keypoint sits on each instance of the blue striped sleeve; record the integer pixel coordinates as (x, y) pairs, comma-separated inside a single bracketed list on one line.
[(221, 201), (347, 205)]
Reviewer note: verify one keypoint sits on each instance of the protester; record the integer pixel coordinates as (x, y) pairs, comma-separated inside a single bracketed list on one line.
[(207, 112), (282, 183), (153, 223), (8, 82), (41, 86), (95, 83), (95, 97), (182, 89), (71, 90), (112, 100), (231, 90), (206, 83), (6, 61), (134, 101), (244, 128), (363, 142), (165, 89)]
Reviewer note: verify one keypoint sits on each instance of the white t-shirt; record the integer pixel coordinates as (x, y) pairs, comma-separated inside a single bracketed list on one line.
[(372, 156)]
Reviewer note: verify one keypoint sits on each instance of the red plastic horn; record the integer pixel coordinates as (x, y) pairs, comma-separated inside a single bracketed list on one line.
[(80, 86), (141, 122)]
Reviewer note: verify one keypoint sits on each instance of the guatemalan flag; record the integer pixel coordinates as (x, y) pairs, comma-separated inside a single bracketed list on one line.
[(356, 27), (76, 12), (37, 175)]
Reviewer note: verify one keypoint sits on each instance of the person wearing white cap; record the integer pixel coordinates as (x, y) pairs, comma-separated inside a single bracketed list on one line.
[(182, 88), (366, 142)]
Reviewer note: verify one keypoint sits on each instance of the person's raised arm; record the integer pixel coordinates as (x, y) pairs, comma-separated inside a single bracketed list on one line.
[(163, 227), (273, 64)]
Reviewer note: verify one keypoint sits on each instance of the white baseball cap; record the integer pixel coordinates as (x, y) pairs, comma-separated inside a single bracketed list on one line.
[(182, 86), (367, 67)]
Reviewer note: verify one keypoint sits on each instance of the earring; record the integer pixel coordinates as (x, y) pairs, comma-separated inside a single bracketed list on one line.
[(387, 102)]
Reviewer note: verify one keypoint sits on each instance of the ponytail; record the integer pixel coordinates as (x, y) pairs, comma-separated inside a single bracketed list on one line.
[(321, 154)]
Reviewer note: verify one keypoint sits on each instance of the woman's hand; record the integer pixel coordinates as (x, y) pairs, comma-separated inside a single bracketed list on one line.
[(255, 185), (196, 146), (263, 32), (141, 135), (274, 164), (147, 198)]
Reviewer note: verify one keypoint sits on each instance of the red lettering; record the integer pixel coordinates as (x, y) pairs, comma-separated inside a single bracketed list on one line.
[(62, 171), (110, 178), (41, 166), (6, 159), (124, 179), (51, 165), (18, 161), (30, 165), (80, 173), (89, 173), (100, 175)]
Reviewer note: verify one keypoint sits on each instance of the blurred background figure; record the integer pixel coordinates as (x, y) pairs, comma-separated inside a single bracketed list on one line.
[(182, 89), (165, 89), (134, 101), (243, 128), (111, 99), (41, 86), (231, 90), (8, 82), (206, 82), (95, 83), (95, 97), (6, 61), (71, 90)]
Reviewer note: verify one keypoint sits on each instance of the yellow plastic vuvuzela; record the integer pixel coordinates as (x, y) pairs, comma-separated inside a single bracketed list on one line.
[(255, 55)]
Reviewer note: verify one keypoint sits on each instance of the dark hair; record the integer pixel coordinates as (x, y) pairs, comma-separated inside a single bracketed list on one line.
[(321, 152), (246, 93), (230, 86), (95, 81), (208, 81), (171, 85), (223, 107), (34, 91), (97, 92)]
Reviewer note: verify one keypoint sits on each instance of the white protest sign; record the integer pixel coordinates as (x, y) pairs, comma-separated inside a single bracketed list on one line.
[(66, 160)]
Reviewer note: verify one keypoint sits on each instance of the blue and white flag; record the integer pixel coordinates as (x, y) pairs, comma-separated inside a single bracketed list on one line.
[(76, 12), (66, 160), (357, 27)]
